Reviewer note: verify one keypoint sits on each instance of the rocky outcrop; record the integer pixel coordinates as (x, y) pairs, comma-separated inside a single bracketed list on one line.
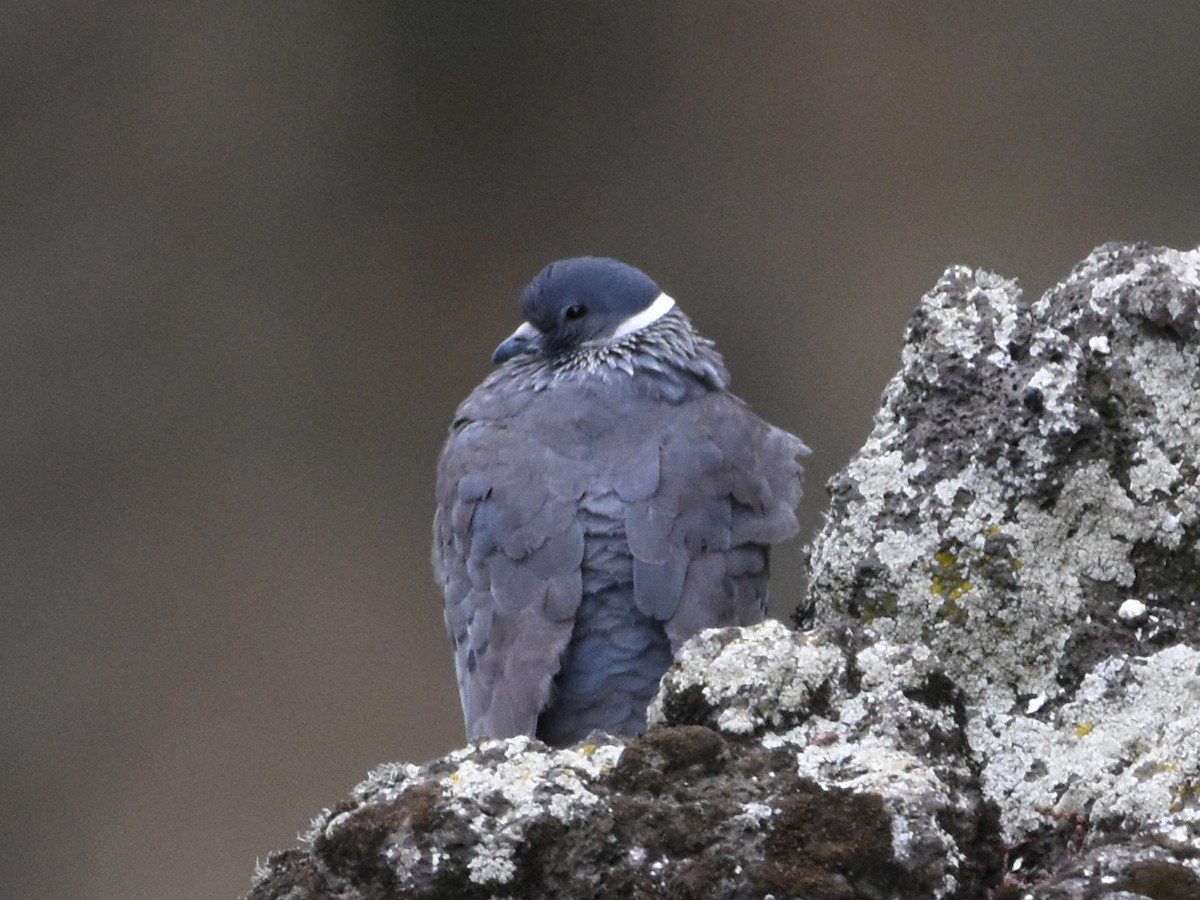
[(997, 691)]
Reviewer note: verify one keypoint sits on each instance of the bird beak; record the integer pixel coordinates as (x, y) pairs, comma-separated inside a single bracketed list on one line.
[(520, 341)]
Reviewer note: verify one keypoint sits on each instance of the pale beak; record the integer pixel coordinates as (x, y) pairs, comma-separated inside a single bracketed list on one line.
[(520, 341)]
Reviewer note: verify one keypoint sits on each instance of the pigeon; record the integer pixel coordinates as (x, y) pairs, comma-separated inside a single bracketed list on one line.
[(601, 498)]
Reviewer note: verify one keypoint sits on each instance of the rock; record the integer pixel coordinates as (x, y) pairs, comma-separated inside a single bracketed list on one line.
[(879, 802), (1032, 473), (1000, 694), (1032, 467)]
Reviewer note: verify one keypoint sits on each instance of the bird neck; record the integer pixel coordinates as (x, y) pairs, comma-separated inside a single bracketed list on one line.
[(669, 348)]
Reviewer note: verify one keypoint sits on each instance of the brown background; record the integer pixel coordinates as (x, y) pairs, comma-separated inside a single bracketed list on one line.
[(252, 255)]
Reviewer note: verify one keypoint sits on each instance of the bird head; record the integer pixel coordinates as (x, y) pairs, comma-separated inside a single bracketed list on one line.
[(580, 302)]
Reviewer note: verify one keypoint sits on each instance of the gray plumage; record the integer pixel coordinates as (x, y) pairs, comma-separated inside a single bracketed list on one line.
[(601, 498)]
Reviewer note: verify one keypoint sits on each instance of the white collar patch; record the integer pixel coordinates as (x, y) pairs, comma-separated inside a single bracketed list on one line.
[(660, 307)]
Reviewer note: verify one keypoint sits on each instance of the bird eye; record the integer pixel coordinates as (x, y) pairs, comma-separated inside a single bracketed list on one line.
[(578, 311)]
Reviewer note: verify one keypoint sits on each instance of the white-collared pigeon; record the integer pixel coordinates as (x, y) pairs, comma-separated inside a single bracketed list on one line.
[(601, 498)]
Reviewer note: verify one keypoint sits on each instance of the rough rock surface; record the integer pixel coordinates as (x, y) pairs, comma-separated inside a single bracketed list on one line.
[(777, 798), (1032, 468), (1000, 693), (1027, 507)]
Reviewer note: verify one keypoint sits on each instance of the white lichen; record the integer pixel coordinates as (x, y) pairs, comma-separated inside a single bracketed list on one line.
[(519, 790), (763, 676), (1128, 747)]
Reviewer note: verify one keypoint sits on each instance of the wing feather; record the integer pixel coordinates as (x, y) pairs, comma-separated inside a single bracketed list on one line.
[(698, 489)]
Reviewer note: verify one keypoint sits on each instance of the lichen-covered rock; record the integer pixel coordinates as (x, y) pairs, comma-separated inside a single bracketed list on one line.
[(1138, 869), (893, 731), (879, 802), (1125, 751), (1027, 508), (1001, 693), (1032, 468), (742, 681)]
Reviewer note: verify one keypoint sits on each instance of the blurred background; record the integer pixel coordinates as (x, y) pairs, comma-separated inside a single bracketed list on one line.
[(252, 256)]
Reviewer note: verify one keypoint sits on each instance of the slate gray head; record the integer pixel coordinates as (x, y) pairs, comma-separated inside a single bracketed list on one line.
[(583, 301)]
